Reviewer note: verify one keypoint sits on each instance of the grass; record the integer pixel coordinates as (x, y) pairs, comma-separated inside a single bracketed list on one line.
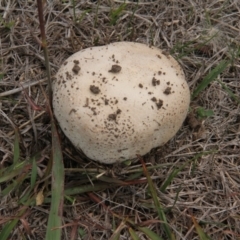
[(204, 113), (57, 174), (186, 189), (212, 75), (115, 13), (158, 207)]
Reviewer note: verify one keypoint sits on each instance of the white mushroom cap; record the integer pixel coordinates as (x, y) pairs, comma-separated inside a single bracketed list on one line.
[(119, 100)]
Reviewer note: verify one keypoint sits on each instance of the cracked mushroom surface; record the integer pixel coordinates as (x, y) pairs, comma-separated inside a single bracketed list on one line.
[(119, 100)]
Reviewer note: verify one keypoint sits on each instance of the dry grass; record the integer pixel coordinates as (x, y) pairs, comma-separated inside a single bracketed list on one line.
[(199, 34)]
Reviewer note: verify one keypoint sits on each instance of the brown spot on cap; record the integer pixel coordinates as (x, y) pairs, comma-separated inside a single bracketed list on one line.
[(115, 69), (87, 102), (68, 76), (76, 69), (155, 82), (94, 89), (159, 104), (167, 90), (112, 117), (72, 111), (119, 111)]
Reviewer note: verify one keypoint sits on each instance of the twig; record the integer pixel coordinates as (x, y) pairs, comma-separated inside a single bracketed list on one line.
[(24, 86), (44, 46)]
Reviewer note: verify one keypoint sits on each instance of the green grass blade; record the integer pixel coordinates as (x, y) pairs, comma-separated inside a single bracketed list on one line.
[(1, 76), (114, 15), (7, 229), (202, 235), (26, 198), (14, 184), (12, 172), (16, 148), (230, 93), (152, 235), (134, 176), (210, 77), (172, 175), (133, 234), (87, 188), (96, 15), (115, 237), (175, 199), (34, 173), (83, 15), (157, 204), (204, 113), (81, 232), (55, 216), (74, 10)]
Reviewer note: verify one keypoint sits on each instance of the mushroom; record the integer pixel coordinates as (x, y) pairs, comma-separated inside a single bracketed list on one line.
[(116, 101)]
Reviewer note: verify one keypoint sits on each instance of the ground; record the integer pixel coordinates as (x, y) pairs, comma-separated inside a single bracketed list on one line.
[(195, 175)]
